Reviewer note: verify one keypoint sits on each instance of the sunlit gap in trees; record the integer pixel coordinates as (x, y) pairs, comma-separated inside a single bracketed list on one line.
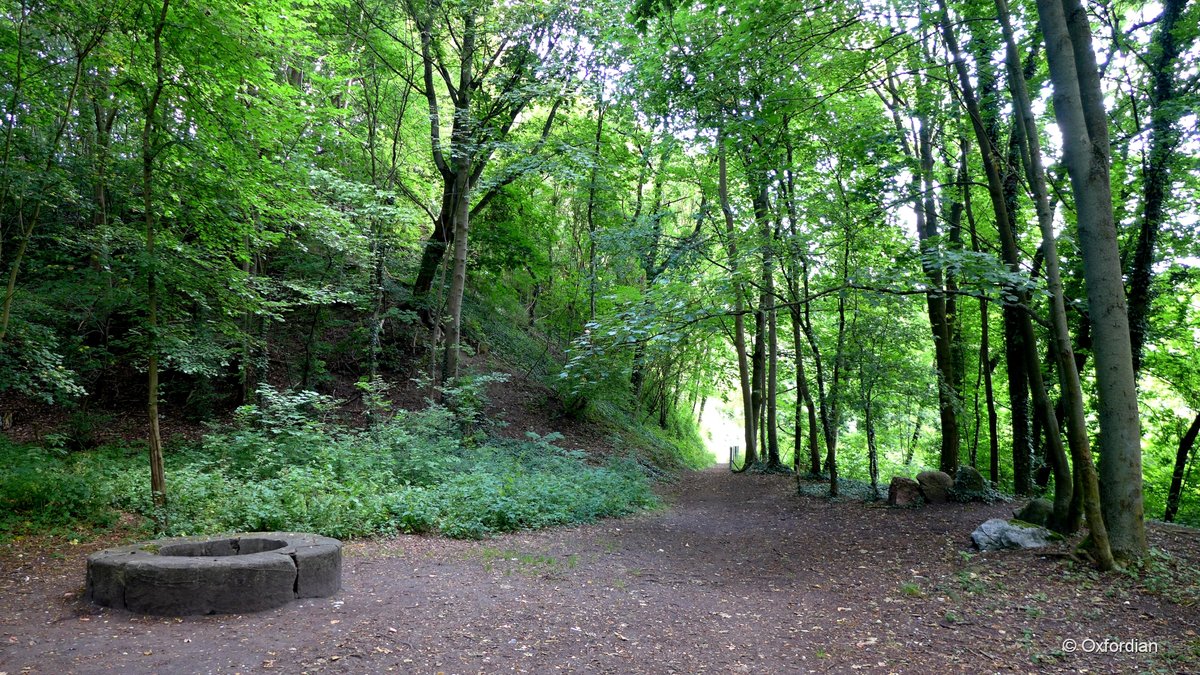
[(723, 425)]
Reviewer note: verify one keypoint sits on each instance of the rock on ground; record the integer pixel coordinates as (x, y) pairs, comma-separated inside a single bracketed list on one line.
[(998, 534), (904, 492), (1038, 511), (935, 486)]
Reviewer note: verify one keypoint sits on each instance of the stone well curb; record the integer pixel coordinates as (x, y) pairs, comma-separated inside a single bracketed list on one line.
[(244, 572)]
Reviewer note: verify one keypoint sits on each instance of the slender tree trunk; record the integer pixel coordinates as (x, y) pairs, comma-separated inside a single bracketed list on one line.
[(1079, 110), (1072, 391), (1181, 459), (739, 319), (770, 357), (835, 390), (439, 240), (872, 450), (247, 369), (1165, 113), (758, 372), (803, 391), (379, 259), (985, 350), (911, 450), (462, 212), (935, 300), (773, 460), (591, 211), (804, 397), (1017, 326), (158, 483)]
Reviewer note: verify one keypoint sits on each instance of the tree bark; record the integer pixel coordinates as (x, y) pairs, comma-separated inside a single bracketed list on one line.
[(1072, 391), (804, 396), (1079, 110), (773, 461), (739, 320), (1165, 113), (462, 212), (158, 483), (803, 391), (987, 366), (1181, 459), (935, 302), (591, 211)]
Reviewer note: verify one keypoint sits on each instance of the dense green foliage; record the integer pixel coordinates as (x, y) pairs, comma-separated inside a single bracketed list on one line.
[(285, 468), (635, 213)]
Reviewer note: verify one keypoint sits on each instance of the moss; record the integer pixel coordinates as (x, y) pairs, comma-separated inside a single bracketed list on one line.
[(1017, 522)]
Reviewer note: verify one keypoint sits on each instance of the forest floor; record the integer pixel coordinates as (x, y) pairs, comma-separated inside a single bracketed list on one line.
[(735, 574)]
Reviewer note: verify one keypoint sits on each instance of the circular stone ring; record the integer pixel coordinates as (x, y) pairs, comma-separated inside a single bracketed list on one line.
[(245, 572)]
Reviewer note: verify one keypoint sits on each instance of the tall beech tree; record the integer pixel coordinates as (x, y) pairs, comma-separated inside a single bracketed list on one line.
[(1079, 109), (1072, 391)]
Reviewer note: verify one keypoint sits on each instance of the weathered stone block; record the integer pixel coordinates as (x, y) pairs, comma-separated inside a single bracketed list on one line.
[(904, 492)]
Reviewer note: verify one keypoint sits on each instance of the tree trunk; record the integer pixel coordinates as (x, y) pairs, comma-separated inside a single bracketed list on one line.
[(771, 342), (1165, 113), (835, 391), (1079, 110), (591, 212), (803, 392), (739, 319), (1017, 326), (935, 302), (773, 460), (462, 212), (1181, 459), (985, 349), (758, 374), (912, 443), (804, 396), (872, 450), (1072, 391), (158, 483)]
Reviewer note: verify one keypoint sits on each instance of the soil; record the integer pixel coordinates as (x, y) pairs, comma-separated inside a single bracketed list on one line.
[(735, 574)]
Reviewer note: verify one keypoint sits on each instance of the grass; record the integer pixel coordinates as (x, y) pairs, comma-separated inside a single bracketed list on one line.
[(528, 564)]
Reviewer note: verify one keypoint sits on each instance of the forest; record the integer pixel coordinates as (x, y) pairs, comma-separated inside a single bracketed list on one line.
[(277, 265)]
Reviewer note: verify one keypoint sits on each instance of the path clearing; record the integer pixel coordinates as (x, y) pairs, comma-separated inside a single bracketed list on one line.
[(737, 575)]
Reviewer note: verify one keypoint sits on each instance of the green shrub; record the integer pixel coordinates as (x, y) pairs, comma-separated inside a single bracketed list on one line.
[(284, 466), (43, 489)]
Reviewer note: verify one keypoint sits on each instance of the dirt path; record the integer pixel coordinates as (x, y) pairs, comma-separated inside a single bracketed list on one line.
[(737, 575)]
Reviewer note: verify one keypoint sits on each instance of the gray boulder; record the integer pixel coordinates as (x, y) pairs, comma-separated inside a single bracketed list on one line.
[(1038, 512), (935, 486), (904, 492), (998, 534)]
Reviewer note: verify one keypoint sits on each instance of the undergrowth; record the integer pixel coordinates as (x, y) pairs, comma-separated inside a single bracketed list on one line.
[(285, 466)]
